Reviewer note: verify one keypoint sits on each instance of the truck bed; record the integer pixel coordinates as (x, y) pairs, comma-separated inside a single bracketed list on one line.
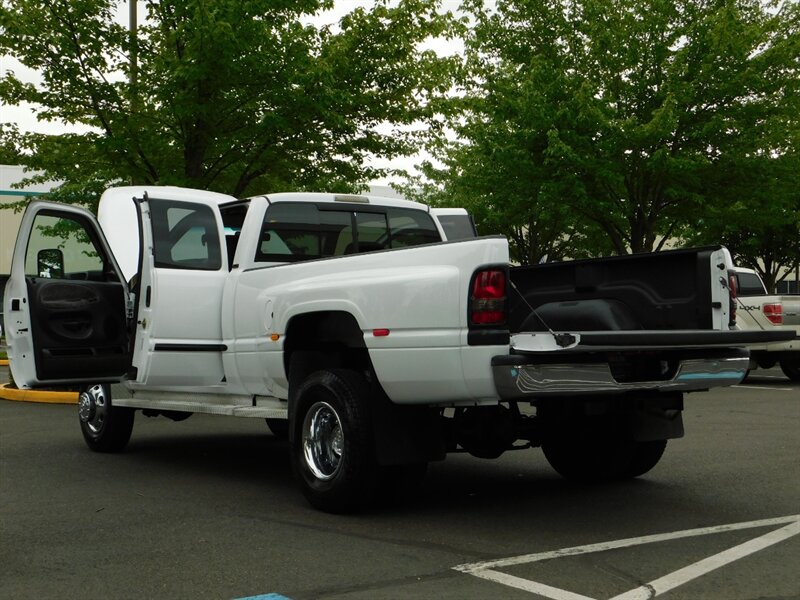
[(662, 291), (622, 324)]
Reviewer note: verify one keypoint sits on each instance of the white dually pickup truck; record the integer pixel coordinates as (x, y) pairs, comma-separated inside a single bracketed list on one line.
[(355, 328)]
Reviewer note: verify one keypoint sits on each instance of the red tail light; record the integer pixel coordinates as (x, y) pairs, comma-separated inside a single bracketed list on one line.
[(488, 299), (773, 312), (732, 290)]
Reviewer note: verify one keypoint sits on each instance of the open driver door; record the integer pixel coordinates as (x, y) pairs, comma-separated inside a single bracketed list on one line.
[(66, 302)]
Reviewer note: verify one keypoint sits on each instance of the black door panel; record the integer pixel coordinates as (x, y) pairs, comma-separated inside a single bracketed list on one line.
[(79, 329)]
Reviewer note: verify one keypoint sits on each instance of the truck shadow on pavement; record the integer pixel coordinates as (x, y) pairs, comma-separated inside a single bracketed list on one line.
[(253, 464), (469, 484), (237, 456)]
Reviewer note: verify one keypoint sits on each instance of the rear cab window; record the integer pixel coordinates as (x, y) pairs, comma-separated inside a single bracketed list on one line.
[(299, 231), (749, 284)]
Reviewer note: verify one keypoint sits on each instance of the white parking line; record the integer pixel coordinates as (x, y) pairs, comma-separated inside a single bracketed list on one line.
[(757, 387), (681, 576), (529, 586), (487, 569)]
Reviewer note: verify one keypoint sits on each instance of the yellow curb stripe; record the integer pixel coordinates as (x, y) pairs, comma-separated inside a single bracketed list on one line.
[(45, 397), (3, 362)]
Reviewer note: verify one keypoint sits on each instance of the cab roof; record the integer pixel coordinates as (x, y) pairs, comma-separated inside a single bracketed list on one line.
[(320, 197)]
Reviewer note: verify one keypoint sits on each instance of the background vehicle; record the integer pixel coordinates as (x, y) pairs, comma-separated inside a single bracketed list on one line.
[(760, 311), (456, 223)]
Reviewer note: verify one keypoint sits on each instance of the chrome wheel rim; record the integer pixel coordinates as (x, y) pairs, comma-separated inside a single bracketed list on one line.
[(323, 441), (93, 408)]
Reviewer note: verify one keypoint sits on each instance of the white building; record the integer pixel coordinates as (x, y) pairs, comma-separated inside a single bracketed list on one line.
[(10, 220)]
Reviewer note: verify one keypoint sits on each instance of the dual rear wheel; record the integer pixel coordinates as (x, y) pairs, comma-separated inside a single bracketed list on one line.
[(331, 441), (333, 455), (333, 447), (592, 460)]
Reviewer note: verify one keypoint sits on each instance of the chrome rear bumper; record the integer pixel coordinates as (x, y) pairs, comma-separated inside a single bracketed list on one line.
[(522, 377)]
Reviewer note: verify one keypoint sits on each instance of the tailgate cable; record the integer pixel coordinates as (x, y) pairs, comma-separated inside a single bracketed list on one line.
[(562, 339)]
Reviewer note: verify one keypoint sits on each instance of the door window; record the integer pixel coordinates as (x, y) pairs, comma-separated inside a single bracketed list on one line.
[(185, 236), (61, 247)]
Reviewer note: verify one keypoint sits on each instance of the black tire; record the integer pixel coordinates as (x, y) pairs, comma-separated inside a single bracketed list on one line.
[(331, 441), (791, 368), (278, 427), (645, 456), (603, 460), (105, 427)]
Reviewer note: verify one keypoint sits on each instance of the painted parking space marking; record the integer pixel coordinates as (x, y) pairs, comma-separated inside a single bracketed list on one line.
[(489, 569), (757, 387)]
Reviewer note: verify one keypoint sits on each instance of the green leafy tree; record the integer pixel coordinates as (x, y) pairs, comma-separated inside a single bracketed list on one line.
[(761, 228), (9, 152), (238, 97), (618, 116)]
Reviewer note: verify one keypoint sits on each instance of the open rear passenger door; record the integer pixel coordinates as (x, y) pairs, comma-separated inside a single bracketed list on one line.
[(66, 301)]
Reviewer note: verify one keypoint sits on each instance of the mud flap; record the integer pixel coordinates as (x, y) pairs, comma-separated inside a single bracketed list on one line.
[(658, 418), (405, 434)]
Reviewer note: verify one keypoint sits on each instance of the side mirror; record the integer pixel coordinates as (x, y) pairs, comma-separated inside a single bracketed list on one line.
[(50, 263)]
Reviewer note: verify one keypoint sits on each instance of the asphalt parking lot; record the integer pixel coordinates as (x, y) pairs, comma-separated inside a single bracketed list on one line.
[(206, 508)]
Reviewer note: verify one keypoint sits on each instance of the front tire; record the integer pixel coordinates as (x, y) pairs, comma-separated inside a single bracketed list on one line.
[(603, 460), (331, 441), (105, 427)]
